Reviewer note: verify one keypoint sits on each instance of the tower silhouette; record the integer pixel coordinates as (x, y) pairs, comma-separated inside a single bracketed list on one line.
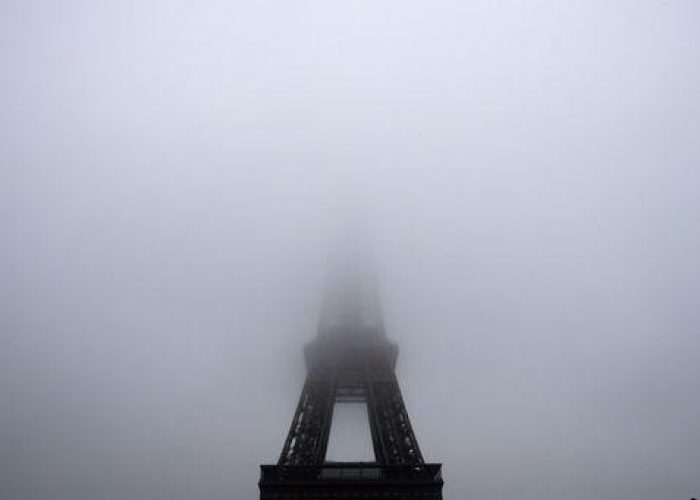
[(351, 360)]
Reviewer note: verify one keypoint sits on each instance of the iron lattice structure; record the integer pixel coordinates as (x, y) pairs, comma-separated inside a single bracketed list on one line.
[(351, 360)]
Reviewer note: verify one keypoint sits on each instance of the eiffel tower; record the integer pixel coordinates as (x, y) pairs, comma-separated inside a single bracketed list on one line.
[(351, 361)]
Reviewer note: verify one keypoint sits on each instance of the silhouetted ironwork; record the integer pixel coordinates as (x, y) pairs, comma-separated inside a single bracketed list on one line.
[(351, 360)]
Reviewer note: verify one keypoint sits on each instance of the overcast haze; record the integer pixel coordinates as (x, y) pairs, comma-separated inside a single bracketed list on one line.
[(172, 174)]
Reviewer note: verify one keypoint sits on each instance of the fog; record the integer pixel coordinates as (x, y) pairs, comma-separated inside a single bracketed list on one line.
[(173, 175)]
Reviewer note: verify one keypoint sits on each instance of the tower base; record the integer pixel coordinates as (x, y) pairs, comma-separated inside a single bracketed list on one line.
[(356, 480)]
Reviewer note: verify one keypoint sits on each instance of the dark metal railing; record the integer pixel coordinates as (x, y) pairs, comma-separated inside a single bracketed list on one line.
[(350, 471)]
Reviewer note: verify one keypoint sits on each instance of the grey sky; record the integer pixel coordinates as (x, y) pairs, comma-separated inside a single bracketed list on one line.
[(171, 174)]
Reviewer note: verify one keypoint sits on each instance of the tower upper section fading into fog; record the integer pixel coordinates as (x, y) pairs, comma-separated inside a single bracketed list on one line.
[(351, 361)]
